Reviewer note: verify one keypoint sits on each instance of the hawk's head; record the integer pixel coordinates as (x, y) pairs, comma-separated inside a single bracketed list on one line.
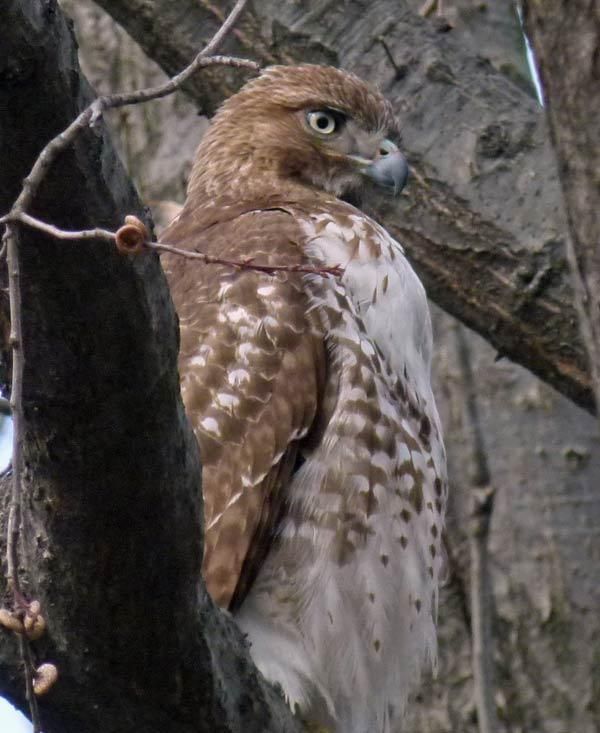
[(299, 127)]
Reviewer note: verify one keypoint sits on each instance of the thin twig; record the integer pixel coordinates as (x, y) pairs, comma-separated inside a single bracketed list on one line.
[(335, 271), (29, 664), (57, 233), (203, 59), (95, 110), (225, 28), (242, 37), (106, 235), (10, 241), (101, 104)]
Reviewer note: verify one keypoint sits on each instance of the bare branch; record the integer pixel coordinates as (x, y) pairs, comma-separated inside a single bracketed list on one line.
[(249, 264), (106, 235), (95, 110), (53, 231), (225, 28), (146, 95), (10, 241)]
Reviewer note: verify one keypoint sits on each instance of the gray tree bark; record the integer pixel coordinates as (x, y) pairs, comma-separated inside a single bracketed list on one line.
[(490, 29), (566, 37), (541, 450)]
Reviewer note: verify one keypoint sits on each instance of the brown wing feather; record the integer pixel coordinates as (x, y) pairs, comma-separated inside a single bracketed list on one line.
[(251, 365)]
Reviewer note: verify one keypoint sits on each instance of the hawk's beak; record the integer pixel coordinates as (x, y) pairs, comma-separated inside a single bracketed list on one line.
[(390, 171)]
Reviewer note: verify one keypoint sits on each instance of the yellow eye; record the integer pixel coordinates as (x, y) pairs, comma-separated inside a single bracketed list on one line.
[(321, 121)]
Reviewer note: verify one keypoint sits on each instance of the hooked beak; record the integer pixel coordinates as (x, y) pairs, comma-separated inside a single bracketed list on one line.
[(389, 171)]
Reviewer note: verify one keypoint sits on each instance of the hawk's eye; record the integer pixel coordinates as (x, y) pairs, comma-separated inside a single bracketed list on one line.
[(324, 121)]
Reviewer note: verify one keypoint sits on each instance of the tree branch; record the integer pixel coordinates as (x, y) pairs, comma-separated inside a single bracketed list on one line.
[(478, 149), (143, 243), (13, 530)]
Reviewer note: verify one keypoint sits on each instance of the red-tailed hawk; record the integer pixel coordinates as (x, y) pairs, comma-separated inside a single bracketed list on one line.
[(324, 470)]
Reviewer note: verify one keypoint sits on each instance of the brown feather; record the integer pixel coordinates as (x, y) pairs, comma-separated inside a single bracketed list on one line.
[(249, 448)]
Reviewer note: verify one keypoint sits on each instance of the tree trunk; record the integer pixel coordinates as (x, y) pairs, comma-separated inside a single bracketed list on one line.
[(111, 536)]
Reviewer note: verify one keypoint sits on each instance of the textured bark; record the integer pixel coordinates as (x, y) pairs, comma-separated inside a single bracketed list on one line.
[(485, 27), (543, 458), (112, 511), (542, 451), (483, 221), (544, 463), (566, 37)]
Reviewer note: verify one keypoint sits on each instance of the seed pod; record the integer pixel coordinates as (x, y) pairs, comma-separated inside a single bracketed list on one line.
[(44, 678), (34, 608), (130, 219), (35, 626), (10, 621), (131, 236)]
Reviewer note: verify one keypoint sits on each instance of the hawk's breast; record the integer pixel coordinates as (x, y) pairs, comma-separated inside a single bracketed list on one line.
[(353, 578)]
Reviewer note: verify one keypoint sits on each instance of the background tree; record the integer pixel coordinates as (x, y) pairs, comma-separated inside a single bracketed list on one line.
[(483, 222)]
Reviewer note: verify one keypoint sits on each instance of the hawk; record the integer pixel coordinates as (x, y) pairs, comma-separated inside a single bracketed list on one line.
[(324, 473)]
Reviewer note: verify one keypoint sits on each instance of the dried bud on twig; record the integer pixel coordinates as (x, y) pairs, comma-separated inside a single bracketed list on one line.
[(44, 678), (34, 608), (131, 236), (35, 628), (10, 621), (34, 623)]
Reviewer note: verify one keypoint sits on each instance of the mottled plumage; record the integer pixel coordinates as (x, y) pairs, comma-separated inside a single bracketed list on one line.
[(324, 470)]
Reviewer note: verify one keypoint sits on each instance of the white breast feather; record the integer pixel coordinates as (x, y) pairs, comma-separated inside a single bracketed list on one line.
[(354, 648)]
